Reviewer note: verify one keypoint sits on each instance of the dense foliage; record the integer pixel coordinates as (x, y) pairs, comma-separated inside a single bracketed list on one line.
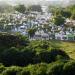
[(35, 8), (58, 20), (7, 40), (20, 8), (45, 58), (55, 68), (60, 14)]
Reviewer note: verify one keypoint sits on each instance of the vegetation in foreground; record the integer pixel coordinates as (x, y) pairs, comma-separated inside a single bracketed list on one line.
[(19, 56), (55, 68)]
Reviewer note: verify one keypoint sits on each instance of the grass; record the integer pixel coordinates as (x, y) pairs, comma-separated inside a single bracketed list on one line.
[(68, 47)]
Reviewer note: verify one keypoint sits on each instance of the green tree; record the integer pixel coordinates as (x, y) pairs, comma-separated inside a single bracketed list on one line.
[(38, 69), (73, 16), (71, 9), (69, 68), (9, 57), (24, 71), (35, 8), (31, 32), (9, 40), (55, 68), (52, 55), (58, 20), (13, 70), (66, 13), (20, 8), (2, 68)]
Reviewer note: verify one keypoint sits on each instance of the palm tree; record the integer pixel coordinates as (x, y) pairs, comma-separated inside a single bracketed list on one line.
[(31, 32)]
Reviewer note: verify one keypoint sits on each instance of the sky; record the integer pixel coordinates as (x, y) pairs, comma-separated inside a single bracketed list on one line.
[(30, 1)]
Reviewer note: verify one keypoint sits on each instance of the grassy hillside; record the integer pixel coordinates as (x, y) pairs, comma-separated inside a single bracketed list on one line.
[(68, 47)]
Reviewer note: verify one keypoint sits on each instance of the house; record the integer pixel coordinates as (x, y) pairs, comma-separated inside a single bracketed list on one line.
[(40, 35), (70, 22), (66, 37), (71, 37), (60, 37)]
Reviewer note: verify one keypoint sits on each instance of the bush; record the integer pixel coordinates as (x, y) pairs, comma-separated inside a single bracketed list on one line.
[(14, 70), (2, 68), (26, 57), (24, 71), (38, 69), (55, 68), (9, 57), (45, 57), (14, 56), (53, 55), (69, 68), (10, 40), (41, 70)]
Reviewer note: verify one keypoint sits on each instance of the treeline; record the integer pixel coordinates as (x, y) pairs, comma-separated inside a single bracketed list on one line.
[(55, 68)]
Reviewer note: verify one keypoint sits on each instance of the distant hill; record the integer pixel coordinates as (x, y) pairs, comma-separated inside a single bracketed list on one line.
[(5, 7)]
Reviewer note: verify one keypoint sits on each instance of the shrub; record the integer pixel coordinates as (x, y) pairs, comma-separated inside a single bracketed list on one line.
[(24, 71), (2, 68), (14, 56), (11, 70), (11, 40), (57, 54), (26, 57), (45, 57), (55, 68), (9, 56), (53, 55), (69, 68), (38, 69)]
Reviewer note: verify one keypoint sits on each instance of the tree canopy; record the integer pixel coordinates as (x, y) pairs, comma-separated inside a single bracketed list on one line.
[(35, 8), (20, 8), (58, 20)]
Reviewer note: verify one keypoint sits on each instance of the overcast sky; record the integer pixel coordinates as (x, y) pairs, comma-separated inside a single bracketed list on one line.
[(30, 1)]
